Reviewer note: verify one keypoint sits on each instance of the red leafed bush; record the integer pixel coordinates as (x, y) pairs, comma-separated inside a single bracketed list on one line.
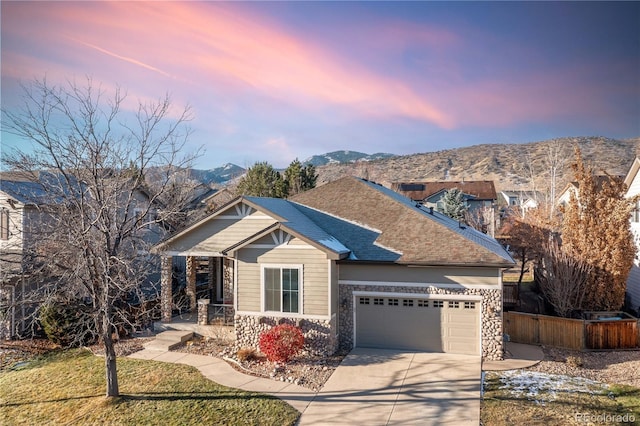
[(281, 343)]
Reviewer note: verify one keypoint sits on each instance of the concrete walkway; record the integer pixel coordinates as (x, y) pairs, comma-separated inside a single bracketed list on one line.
[(219, 371), (517, 355)]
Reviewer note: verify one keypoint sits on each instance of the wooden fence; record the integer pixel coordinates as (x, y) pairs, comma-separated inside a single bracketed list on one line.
[(568, 333)]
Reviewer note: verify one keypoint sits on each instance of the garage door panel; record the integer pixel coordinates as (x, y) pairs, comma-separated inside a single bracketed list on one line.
[(392, 327), (418, 324)]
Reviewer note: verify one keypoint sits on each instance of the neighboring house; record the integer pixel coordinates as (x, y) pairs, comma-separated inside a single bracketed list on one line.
[(17, 214), (572, 188), (353, 264), (23, 212), (477, 194), (218, 199), (632, 181), (565, 195), (519, 200)]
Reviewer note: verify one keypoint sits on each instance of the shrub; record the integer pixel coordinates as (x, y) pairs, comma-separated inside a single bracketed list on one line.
[(574, 361), (281, 343), (247, 354), (67, 324)]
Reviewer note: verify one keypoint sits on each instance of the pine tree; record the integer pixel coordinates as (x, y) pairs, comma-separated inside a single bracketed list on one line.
[(299, 178), (262, 180), (596, 229), (454, 204)]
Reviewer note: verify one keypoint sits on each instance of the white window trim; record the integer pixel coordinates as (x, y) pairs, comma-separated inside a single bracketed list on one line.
[(300, 268)]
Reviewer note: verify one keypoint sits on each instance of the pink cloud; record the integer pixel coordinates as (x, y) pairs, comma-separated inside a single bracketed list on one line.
[(213, 46), (203, 50)]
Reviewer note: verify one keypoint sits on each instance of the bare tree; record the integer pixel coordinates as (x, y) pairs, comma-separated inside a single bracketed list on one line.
[(483, 219), (563, 279), (544, 174), (527, 237), (90, 161), (555, 159)]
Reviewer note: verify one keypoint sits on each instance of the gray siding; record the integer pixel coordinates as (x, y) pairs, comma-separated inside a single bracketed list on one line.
[(633, 282), (315, 276), (404, 274), (633, 288), (220, 233)]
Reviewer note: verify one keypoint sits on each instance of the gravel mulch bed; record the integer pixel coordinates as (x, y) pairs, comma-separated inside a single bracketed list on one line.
[(621, 367), (122, 347), (13, 352), (304, 370)]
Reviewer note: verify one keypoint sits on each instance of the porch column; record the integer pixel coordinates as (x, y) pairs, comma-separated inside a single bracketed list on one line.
[(191, 282), (166, 290), (227, 281), (212, 279)]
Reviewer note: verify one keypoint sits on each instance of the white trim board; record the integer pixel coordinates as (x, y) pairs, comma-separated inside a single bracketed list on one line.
[(191, 253), (284, 315), (414, 284)]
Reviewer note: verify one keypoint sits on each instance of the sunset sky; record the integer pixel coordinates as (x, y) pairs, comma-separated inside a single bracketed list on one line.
[(274, 81)]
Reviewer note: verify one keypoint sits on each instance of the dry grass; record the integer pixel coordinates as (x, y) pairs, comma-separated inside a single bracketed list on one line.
[(68, 388), (560, 403)]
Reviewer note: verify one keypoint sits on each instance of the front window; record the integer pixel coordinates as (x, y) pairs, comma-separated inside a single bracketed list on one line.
[(282, 289)]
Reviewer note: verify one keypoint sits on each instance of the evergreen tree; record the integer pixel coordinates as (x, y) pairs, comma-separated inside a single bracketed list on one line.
[(299, 178), (262, 180), (454, 204)]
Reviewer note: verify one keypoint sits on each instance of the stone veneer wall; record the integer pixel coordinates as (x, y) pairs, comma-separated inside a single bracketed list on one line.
[(492, 338), (319, 335), (166, 289), (227, 281)]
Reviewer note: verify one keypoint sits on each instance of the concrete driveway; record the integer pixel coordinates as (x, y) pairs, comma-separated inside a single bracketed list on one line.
[(390, 387)]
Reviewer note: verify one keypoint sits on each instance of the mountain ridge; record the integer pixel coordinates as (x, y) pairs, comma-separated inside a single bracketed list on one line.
[(509, 165)]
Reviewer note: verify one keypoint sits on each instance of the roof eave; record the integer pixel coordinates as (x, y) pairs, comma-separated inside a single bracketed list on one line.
[(158, 247), (633, 171), (501, 265)]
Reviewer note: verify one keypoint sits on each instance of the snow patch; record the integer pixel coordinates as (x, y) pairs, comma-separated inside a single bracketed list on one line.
[(543, 387)]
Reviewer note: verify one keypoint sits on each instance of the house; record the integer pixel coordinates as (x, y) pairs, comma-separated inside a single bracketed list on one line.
[(24, 215), (572, 188), (632, 181), (521, 201), (17, 213), (353, 264), (477, 194)]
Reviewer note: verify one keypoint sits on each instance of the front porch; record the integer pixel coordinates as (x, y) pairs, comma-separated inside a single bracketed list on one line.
[(197, 296), (189, 323), (196, 291)]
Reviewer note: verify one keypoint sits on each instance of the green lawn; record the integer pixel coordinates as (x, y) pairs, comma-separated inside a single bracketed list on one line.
[(536, 399), (67, 387)]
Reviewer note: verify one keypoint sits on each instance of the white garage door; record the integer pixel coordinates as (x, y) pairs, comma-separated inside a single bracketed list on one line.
[(412, 323)]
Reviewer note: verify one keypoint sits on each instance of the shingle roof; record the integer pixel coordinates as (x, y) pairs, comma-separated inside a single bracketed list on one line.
[(362, 241), (481, 190), (24, 192), (334, 233), (298, 222), (422, 236), (377, 225)]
